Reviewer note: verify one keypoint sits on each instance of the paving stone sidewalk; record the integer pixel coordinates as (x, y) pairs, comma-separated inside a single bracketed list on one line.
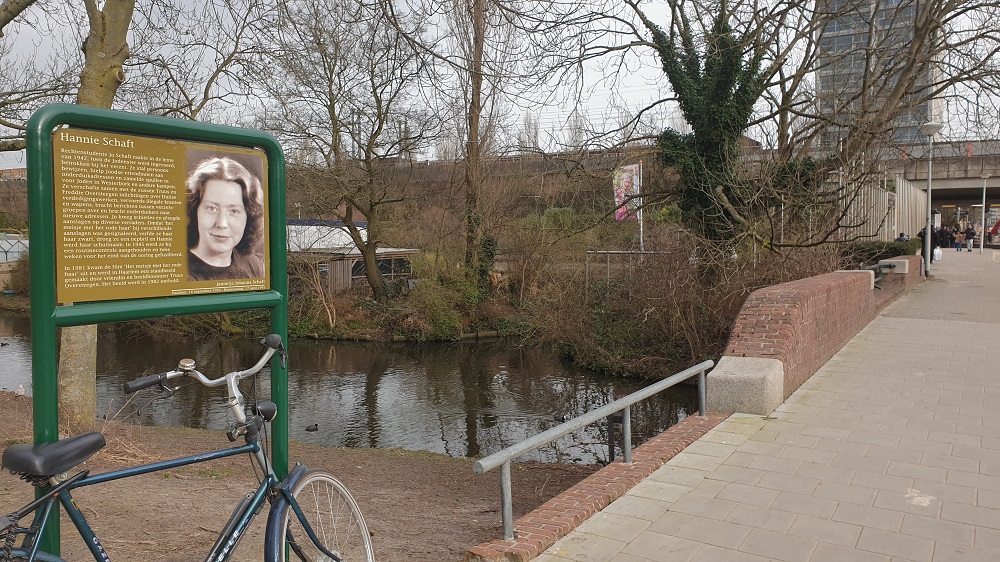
[(891, 452)]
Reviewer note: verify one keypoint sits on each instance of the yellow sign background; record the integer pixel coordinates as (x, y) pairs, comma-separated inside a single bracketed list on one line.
[(121, 220)]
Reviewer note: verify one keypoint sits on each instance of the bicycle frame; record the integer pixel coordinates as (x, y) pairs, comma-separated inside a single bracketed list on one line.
[(223, 548), (278, 492)]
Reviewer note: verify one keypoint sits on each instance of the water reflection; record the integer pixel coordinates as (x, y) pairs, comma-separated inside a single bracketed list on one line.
[(456, 399)]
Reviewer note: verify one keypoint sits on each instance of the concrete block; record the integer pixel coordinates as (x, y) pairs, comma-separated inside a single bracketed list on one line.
[(902, 266), (746, 385)]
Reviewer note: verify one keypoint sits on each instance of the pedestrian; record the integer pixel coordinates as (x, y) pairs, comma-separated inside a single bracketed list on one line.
[(970, 236), (944, 237), (959, 238)]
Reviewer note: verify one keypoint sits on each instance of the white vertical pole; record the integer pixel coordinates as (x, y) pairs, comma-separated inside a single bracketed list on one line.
[(928, 233), (930, 129), (982, 233), (642, 245), (506, 502)]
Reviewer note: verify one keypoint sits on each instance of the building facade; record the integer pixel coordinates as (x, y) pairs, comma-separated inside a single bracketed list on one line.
[(862, 51)]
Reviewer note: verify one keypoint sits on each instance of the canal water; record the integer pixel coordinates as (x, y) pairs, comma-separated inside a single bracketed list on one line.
[(456, 399)]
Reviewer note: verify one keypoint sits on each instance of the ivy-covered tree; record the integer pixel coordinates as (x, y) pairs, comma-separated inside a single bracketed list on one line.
[(717, 88), (747, 77)]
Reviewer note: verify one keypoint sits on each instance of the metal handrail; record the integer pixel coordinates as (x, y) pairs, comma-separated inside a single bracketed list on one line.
[(503, 458), (879, 270)]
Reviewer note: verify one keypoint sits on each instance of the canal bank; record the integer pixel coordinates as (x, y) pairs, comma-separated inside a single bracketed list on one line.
[(458, 399)]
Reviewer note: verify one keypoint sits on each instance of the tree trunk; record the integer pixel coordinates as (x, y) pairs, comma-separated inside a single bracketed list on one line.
[(374, 276), (473, 168), (78, 379), (105, 50)]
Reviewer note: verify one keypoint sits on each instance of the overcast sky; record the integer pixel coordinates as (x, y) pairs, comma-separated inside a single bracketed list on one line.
[(12, 160)]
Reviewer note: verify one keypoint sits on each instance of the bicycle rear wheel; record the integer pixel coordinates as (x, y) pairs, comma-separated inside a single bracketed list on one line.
[(335, 518)]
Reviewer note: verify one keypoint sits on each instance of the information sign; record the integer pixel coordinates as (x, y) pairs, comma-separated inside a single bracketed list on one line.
[(149, 217)]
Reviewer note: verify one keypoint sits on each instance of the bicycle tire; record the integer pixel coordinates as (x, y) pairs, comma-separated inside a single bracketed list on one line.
[(334, 516)]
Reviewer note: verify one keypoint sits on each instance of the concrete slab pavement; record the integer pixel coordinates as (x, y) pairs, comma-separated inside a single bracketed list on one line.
[(890, 452)]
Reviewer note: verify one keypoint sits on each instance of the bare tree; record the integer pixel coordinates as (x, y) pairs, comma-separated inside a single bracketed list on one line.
[(36, 67), (528, 137), (23, 87), (188, 61), (105, 66), (104, 52), (484, 62), (748, 78), (198, 61), (349, 103)]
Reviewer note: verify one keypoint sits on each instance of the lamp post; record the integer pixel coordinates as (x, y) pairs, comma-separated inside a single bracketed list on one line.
[(982, 233), (929, 129)]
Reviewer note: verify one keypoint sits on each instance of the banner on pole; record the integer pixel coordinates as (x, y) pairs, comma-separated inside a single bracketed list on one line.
[(627, 188)]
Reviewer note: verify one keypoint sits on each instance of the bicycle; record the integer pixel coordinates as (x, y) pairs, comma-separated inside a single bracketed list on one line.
[(332, 530)]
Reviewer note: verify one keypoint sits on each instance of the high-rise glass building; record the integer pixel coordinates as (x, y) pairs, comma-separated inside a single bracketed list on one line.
[(862, 51)]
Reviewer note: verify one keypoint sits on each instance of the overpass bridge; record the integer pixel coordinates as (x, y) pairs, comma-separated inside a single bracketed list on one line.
[(960, 172), (960, 169)]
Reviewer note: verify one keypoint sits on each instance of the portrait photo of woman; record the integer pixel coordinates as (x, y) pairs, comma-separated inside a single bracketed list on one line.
[(626, 193), (225, 231)]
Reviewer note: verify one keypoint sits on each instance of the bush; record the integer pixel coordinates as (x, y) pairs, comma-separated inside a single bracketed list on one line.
[(659, 313), (20, 276), (868, 253), (435, 314)]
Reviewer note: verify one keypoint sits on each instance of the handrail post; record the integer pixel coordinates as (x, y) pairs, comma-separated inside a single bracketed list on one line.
[(701, 393), (627, 434), (619, 409), (506, 502), (611, 438)]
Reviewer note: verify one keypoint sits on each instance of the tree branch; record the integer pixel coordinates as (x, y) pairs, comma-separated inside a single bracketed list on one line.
[(12, 145), (10, 9)]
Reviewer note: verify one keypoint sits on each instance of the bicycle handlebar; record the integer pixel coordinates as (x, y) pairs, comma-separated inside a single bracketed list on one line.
[(144, 382), (273, 344)]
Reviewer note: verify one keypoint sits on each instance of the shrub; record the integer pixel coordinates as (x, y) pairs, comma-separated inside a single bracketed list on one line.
[(20, 276), (433, 313), (867, 253)]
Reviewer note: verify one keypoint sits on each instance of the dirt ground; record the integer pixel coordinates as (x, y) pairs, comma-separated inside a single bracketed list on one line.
[(420, 507)]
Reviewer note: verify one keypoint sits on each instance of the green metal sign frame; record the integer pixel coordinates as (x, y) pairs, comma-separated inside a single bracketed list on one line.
[(47, 316)]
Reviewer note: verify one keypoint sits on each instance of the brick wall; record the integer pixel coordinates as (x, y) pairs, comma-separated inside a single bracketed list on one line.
[(803, 323)]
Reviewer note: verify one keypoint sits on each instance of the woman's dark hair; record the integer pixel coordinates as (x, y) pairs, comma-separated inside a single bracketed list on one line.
[(227, 169)]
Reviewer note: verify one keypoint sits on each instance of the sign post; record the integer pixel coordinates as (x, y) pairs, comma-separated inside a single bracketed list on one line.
[(120, 215)]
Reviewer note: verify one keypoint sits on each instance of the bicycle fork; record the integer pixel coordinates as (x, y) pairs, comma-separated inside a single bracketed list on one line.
[(247, 508), (273, 538)]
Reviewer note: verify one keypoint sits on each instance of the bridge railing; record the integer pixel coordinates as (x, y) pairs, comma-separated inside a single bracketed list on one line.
[(879, 269), (503, 458)]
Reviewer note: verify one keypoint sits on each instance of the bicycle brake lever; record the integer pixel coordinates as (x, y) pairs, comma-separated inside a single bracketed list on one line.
[(284, 357), (168, 391)]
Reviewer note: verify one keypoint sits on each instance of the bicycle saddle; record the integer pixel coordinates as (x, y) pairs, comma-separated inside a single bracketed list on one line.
[(49, 459)]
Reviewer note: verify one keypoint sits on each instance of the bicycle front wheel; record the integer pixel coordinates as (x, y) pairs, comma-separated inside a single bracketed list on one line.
[(335, 519)]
